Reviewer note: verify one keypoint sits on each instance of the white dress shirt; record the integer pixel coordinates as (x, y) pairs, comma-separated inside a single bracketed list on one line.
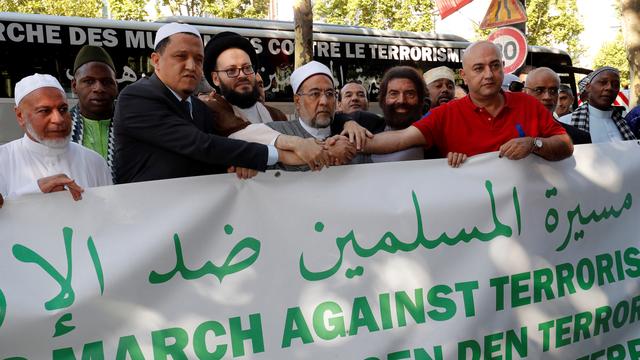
[(24, 161)]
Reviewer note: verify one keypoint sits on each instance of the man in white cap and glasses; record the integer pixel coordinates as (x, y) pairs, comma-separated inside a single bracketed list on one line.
[(315, 101), (441, 85), (45, 160)]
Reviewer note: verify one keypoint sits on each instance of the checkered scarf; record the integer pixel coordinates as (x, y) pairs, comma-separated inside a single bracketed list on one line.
[(77, 134), (580, 119)]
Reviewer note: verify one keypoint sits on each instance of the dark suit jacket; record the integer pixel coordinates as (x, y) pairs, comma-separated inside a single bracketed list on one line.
[(367, 120), (156, 138), (577, 136)]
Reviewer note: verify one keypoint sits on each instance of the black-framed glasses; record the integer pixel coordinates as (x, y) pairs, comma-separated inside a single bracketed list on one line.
[(552, 91), (316, 94), (235, 72), (516, 86)]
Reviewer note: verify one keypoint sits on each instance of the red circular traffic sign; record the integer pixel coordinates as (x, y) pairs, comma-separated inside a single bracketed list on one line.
[(513, 46)]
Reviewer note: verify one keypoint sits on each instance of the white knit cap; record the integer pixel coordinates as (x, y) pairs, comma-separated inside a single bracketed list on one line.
[(441, 72), (173, 28), (34, 82), (308, 70)]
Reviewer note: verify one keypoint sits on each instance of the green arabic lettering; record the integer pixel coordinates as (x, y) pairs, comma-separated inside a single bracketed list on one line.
[(227, 268), (390, 243), (3, 307), (551, 220), (594, 216), (61, 328), (96, 263), (66, 296), (516, 205)]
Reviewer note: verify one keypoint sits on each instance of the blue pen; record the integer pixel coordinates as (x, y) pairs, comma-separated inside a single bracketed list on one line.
[(520, 131)]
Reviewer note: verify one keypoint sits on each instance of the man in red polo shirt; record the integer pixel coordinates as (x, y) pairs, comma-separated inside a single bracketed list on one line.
[(488, 119)]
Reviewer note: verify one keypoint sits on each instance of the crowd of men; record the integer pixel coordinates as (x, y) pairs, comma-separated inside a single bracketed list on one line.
[(174, 124)]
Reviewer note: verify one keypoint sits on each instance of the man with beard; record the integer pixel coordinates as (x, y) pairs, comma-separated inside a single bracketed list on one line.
[(441, 85), (45, 160), (230, 63), (403, 94), (163, 131), (94, 81), (315, 102), (486, 120), (598, 116)]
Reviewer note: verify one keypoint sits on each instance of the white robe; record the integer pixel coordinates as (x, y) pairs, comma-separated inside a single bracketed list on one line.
[(24, 161)]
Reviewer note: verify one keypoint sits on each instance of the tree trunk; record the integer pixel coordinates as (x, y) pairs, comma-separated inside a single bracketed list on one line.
[(631, 30), (303, 20)]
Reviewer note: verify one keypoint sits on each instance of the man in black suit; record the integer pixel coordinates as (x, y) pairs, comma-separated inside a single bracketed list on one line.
[(162, 131)]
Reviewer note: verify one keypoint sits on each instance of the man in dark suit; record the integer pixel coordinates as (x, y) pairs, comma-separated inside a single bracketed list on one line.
[(162, 131)]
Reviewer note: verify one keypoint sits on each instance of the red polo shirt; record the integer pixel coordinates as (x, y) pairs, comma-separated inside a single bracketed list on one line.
[(461, 126)]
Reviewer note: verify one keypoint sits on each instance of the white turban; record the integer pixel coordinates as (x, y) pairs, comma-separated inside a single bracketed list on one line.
[(308, 70), (174, 28), (34, 82), (441, 72)]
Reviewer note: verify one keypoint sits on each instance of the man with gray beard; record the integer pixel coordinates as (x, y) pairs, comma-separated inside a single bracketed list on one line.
[(45, 160)]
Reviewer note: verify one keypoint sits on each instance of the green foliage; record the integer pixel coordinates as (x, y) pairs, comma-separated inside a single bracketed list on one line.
[(86, 8), (119, 9), (553, 23), (128, 9), (227, 9), (408, 15), (614, 53)]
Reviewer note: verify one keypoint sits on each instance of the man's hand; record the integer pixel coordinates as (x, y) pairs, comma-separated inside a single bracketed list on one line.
[(242, 173), (313, 153), (340, 149), (226, 122), (357, 134), (456, 159), (60, 182), (516, 149)]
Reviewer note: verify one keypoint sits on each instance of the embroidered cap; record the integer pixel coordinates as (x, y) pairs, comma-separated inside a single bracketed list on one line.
[(173, 28), (34, 82), (308, 70), (90, 53)]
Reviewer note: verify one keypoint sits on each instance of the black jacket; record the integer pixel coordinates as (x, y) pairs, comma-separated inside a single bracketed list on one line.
[(156, 138)]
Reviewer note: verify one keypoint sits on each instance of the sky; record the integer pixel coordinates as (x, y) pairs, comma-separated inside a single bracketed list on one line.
[(599, 18)]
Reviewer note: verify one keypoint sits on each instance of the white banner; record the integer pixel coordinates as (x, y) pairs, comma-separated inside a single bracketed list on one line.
[(412, 260)]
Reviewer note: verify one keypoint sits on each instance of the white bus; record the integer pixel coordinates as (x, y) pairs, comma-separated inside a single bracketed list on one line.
[(49, 44)]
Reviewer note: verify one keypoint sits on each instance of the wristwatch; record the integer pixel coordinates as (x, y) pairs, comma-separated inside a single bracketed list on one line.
[(537, 144)]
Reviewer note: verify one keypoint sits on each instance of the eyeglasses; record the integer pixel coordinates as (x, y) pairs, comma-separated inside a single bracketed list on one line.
[(316, 94), (235, 72), (541, 90)]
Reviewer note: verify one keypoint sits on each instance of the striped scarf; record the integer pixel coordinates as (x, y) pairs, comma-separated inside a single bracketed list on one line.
[(580, 119), (77, 135)]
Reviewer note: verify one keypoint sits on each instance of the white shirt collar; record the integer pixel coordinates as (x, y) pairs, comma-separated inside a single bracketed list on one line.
[(40, 149), (319, 134)]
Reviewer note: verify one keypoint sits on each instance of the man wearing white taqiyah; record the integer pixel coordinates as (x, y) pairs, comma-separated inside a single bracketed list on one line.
[(44, 160)]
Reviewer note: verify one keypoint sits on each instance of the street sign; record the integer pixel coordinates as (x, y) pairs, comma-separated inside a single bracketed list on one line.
[(448, 7), (503, 12), (513, 46)]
